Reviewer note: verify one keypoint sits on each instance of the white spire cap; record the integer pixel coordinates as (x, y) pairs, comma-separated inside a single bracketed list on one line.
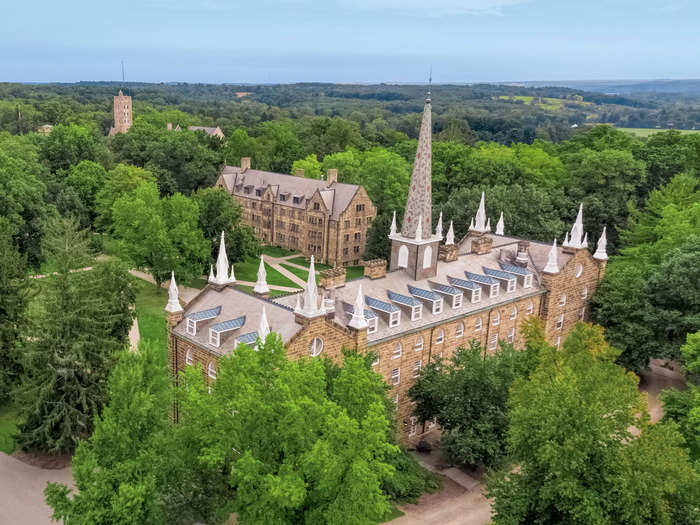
[(419, 228), (173, 305), (438, 228), (297, 308), (584, 244), (261, 286), (358, 320), (222, 275), (471, 224), (211, 274), (232, 277), (488, 225), (566, 239), (576, 239), (552, 264), (392, 231), (311, 308), (450, 237), (499, 225), (264, 327), (480, 222), (600, 253)]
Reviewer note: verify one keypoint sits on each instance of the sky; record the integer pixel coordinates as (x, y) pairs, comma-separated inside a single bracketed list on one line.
[(261, 41)]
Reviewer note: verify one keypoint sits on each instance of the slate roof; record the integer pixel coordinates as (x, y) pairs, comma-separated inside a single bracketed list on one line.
[(405, 300), (512, 268), (208, 130), (478, 278), (227, 326), (423, 294), (498, 274), (204, 315)]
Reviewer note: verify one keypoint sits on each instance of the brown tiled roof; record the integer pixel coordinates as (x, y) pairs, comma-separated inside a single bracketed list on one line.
[(208, 131)]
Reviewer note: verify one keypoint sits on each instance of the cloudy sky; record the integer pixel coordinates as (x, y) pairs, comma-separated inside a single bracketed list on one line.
[(349, 40)]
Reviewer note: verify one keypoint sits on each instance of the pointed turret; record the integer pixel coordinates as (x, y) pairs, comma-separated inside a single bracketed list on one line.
[(297, 308), (471, 224), (450, 237), (488, 225), (173, 305), (264, 327), (310, 308), (211, 274), (499, 225), (438, 228), (222, 274), (392, 230), (479, 224), (584, 244), (358, 320), (419, 200), (576, 238), (552, 260), (261, 286), (601, 250)]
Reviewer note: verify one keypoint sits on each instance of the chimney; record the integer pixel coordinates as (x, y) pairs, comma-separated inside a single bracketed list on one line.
[(170, 126), (299, 172), (522, 257), (332, 176), (245, 164)]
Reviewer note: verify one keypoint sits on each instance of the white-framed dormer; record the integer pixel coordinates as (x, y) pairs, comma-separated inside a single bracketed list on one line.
[(194, 318), (494, 289), (472, 289), (527, 281), (437, 306), (429, 296), (447, 291), (394, 318), (521, 273), (372, 325), (416, 312), (508, 279)]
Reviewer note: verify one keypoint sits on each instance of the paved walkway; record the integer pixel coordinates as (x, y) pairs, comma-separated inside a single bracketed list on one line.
[(22, 491), (275, 263)]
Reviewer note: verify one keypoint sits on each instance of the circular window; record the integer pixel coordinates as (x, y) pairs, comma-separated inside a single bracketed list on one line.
[(316, 346), (579, 269)]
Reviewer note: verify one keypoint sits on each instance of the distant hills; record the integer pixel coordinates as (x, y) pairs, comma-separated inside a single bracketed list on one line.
[(687, 87)]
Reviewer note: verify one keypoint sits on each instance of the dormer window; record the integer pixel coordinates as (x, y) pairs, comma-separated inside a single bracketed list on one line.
[(437, 306), (394, 318), (456, 301), (214, 338), (191, 326), (527, 281), (296, 199), (258, 192), (371, 325), (416, 312), (197, 317), (511, 285), (493, 290), (476, 295)]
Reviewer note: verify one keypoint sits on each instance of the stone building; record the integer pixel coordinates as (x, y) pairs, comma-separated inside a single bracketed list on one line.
[(212, 132), (122, 114), (324, 218), (438, 295)]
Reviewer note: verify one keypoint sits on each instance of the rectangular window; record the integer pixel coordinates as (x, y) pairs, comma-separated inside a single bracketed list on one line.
[(358, 236), (419, 343), (356, 249), (511, 285), (358, 222), (437, 307), (360, 207), (191, 326), (477, 325), (345, 251), (511, 335), (416, 312), (560, 322), (460, 330), (562, 300), (476, 295), (214, 338), (394, 319), (376, 361), (398, 350), (440, 337), (417, 367), (347, 224), (582, 314), (371, 325), (396, 399), (527, 282), (494, 290), (395, 376), (456, 301), (317, 206), (346, 237), (493, 341)]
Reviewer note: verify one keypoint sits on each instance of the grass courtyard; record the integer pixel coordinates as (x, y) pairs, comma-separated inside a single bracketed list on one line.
[(248, 271)]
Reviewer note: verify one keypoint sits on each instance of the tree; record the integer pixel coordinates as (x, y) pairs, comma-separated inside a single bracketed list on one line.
[(13, 304), (81, 320), (67, 145), (86, 179), (346, 162), (121, 181), (378, 245), (115, 481), (160, 235), (385, 176), (579, 460), (309, 165)]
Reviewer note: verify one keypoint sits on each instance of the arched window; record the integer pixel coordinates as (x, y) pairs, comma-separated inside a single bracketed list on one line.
[(514, 313), (398, 350), (188, 358), (584, 292), (460, 329), (316, 346), (440, 337), (579, 269), (562, 300), (531, 308), (496, 318), (477, 325), (427, 257), (403, 257), (211, 370), (419, 343)]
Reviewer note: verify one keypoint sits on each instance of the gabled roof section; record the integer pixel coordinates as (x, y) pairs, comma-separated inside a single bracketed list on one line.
[(248, 338), (462, 283), (512, 268), (444, 288), (481, 279), (403, 299), (381, 306), (227, 326), (429, 295), (498, 274), (204, 315)]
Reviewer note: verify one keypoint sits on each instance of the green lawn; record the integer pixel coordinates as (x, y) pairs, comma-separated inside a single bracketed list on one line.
[(302, 274), (354, 272), (249, 290), (150, 311), (8, 426), (197, 282), (276, 251), (248, 271), (303, 261), (645, 132)]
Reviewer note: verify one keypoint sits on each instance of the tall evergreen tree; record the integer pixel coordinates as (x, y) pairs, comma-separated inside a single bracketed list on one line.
[(81, 319)]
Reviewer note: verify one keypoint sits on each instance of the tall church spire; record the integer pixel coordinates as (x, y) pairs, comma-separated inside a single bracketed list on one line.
[(419, 192)]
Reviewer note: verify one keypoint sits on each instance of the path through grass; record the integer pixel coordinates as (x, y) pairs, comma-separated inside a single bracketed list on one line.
[(248, 271), (276, 251), (303, 261)]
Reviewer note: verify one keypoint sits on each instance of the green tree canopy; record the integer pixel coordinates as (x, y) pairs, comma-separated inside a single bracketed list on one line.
[(121, 181), (67, 145)]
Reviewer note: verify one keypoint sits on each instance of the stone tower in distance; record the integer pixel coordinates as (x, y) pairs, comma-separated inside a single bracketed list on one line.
[(122, 114)]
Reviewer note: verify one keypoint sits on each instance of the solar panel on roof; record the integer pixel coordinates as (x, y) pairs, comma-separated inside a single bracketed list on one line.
[(477, 277), (511, 268), (445, 288), (402, 299), (369, 314), (248, 338), (462, 283), (380, 305), (498, 274), (203, 315), (227, 326), (423, 294)]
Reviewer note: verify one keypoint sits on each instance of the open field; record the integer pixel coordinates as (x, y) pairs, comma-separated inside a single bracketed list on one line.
[(645, 132), (276, 251), (548, 103), (303, 261), (302, 274)]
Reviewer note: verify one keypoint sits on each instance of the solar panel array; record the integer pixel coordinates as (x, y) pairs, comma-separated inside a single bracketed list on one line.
[(203, 315), (403, 299), (423, 294), (462, 283), (477, 277), (227, 326), (381, 305), (511, 268), (444, 288), (498, 274)]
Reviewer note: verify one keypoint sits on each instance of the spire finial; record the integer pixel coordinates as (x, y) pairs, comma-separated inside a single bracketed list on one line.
[(438, 228), (222, 275), (211, 274), (430, 83), (311, 308), (584, 243), (264, 327), (450, 238), (261, 286), (552, 263), (358, 320), (480, 222), (601, 250), (488, 224), (576, 237), (499, 225), (173, 305), (392, 230)]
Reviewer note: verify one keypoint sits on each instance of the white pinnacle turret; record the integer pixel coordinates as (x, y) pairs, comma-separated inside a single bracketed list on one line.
[(311, 308), (566, 239), (471, 224), (222, 266), (576, 237), (450, 237), (297, 308), (358, 320), (419, 228), (600, 253), (584, 244), (261, 286), (392, 231), (480, 221), (488, 225), (173, 305), (264, 327), (499, 225), (552, 264), (438, 228)]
